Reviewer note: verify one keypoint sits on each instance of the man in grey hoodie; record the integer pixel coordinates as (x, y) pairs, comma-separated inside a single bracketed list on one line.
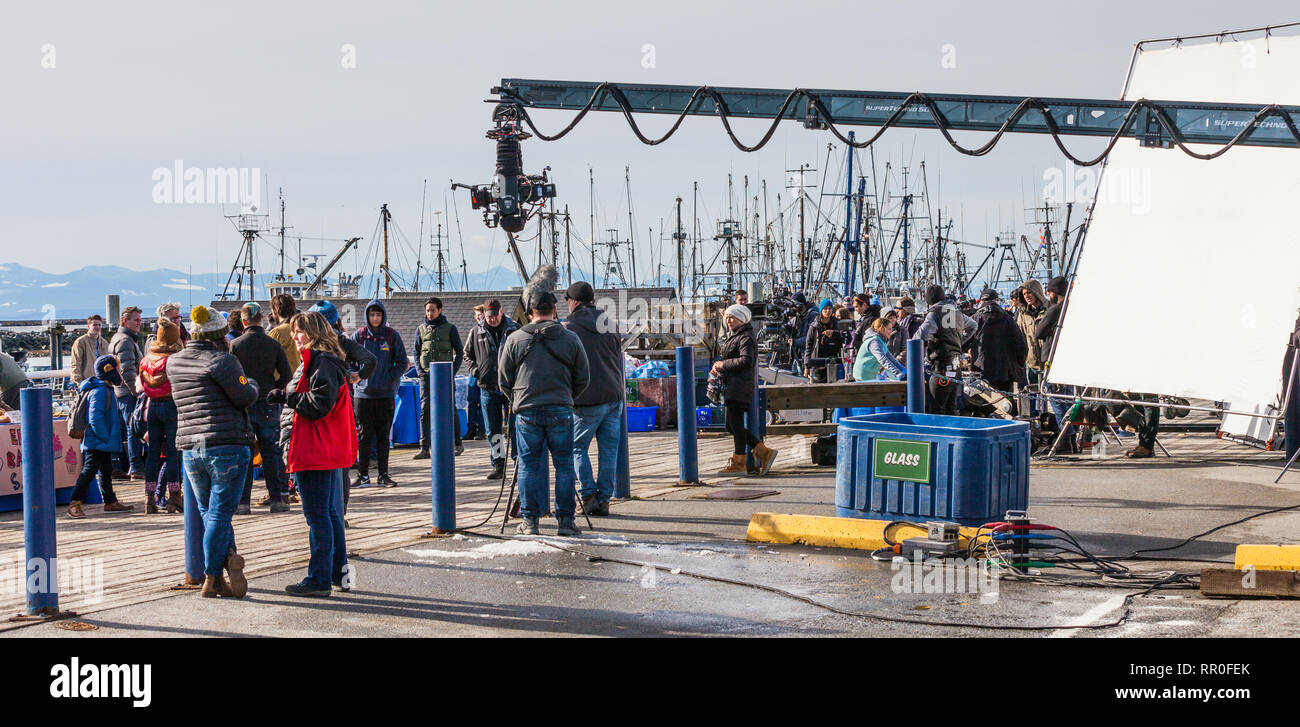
[(542, 367), (598, 411)]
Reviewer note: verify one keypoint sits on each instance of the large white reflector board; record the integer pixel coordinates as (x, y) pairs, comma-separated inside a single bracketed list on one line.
[(1189, 279)]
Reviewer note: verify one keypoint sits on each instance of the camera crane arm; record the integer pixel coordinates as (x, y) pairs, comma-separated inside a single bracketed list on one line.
[(1154, 123)]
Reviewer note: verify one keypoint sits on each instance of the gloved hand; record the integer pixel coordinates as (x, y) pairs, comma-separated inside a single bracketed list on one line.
[(276, 396), (903, 376)]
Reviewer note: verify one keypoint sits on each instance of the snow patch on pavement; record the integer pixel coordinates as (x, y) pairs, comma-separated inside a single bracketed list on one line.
[(494, 549)]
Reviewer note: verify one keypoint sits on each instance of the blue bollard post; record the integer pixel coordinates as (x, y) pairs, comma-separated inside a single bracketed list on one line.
[(193, 534), (442, 461), (42, 569), (688, 464), (623, 480), (915, 377)]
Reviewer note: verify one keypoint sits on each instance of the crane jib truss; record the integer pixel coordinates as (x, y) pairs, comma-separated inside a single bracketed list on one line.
[(1154, 122)]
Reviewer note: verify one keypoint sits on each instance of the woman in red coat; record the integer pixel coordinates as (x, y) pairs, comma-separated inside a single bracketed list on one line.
[(319, 439)]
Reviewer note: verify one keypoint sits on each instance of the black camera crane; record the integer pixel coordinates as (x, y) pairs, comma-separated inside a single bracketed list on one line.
[(512, 197)]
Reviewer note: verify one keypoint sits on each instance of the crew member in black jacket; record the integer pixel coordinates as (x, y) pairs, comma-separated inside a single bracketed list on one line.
[(264, 361)]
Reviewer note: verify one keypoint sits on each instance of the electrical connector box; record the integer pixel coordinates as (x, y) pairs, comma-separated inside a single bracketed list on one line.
[(943, 531), (929, 548)]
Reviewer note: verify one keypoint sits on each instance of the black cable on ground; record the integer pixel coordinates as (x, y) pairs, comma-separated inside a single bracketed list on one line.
[(1134, 555), (593, 557)]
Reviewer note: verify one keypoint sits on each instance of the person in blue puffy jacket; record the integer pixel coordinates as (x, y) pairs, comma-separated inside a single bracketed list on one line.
[(102, 438)]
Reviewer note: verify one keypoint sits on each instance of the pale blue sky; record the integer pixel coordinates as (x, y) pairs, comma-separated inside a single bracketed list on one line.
[(261, 85)]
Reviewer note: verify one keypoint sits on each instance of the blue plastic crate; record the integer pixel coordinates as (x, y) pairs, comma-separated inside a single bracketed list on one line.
[(703, 416), (641, 418), (932, 467)]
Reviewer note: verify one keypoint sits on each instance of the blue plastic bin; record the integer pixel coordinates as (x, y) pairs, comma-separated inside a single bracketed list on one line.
[(641, 418), (977, 468), (406, 415)]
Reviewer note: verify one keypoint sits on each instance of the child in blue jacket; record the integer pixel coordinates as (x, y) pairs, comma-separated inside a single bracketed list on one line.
[(103, 438)]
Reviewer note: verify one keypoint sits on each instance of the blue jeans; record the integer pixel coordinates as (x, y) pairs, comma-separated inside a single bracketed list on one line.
[(320, 491), (494, 404), (601, 422), (538, 430), (162, 439), (265, 419), (134, 457), (217, 477), (1061, 407)]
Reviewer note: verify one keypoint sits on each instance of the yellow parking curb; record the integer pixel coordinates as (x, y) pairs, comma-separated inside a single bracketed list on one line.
[(1266, 557), (829, 532)]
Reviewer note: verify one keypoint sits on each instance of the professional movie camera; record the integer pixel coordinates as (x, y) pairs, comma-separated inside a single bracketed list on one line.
[(506, 200), (779, 326)]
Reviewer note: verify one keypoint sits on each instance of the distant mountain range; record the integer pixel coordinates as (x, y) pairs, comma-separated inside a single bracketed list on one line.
[(31, 294)]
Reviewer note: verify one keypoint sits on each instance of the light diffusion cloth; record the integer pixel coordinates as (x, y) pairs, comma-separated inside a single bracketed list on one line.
[(1189, 279)]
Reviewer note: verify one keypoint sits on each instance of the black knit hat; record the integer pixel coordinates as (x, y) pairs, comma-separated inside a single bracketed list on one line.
[(581, 291), (1058, 285), (933, 294)]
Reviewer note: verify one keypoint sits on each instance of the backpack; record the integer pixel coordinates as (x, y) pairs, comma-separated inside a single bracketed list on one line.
[(138, 423), (79, 415), (824, 449)]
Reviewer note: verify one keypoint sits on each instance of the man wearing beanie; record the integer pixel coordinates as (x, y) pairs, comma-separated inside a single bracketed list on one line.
[(264, 361), (212, 396), (1046, 327), (102, 438), (908, 322), (945, 331), (824, 339), (597, 411)]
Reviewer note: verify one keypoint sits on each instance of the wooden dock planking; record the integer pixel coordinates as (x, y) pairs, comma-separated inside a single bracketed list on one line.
[(143, 556)]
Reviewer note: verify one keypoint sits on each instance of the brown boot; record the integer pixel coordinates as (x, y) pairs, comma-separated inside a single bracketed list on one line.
[(150, 501), (75, 511), (175, 503), (1139, 452), (214, 586), (235, 569), (737, 466), (765, 458), (118, 507)]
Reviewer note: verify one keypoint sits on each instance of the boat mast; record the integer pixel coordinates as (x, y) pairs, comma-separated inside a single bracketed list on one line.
[(384, 216)]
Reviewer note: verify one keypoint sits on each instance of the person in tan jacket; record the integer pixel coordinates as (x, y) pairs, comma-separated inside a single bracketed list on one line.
[(1027, 315), (87, 348), (282, 309)]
